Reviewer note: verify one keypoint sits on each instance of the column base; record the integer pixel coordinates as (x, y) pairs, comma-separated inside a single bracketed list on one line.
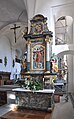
[(47, 72), (28, 72)]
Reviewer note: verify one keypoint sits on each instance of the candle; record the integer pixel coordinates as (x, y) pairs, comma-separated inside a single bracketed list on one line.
[(43, 79)]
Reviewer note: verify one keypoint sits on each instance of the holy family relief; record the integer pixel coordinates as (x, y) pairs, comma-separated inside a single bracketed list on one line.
[(38, 57)]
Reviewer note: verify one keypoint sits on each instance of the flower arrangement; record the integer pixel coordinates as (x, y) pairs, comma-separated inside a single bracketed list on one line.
[(31, 84)]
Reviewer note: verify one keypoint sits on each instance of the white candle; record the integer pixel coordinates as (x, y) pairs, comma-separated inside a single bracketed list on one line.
[(43, 79), (47, 59)]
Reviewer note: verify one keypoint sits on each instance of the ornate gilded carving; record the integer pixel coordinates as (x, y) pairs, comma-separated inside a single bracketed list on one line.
[(47, 40), (38, 25)]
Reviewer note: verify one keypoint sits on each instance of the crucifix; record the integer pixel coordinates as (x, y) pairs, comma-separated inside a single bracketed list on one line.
[(14, 28)]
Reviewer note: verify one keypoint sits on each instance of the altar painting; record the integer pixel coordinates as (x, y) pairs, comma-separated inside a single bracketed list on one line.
[(38, 53)]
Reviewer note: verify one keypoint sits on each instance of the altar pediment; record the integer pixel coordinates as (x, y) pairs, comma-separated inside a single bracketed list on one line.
[(38, 27)]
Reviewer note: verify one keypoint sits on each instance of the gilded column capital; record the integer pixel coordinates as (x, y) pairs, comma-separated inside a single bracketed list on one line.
[(28, 42), (47, 40)]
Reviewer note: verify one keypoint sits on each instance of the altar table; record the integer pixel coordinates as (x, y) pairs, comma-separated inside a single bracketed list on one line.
[(35, 99)]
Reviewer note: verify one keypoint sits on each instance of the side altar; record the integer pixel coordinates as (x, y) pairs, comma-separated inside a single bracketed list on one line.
[(37, 67)]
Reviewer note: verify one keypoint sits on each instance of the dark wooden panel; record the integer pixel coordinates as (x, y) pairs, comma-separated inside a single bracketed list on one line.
[(4, 76), (3, 97)]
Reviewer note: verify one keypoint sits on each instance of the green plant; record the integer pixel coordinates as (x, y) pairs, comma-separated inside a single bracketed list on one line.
[(35, 85), (31, 84)]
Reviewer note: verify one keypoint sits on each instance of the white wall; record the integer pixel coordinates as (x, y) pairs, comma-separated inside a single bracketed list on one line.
[(16, 71), (59, 48), (73, 72), (7, 50), (70, 72)]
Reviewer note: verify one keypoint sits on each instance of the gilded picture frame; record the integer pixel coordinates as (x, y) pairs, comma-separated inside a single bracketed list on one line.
[(38, 57)]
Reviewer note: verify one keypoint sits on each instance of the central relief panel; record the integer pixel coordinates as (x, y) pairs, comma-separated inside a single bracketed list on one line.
[(38, 56)]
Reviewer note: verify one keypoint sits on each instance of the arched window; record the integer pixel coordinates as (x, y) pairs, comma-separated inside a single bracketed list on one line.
[(63, 28)]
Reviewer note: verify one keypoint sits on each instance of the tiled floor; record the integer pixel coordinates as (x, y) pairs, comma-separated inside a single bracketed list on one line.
[(63, 110)]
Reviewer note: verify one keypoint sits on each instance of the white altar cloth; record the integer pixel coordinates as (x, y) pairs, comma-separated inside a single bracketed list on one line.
[(39, 91)]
